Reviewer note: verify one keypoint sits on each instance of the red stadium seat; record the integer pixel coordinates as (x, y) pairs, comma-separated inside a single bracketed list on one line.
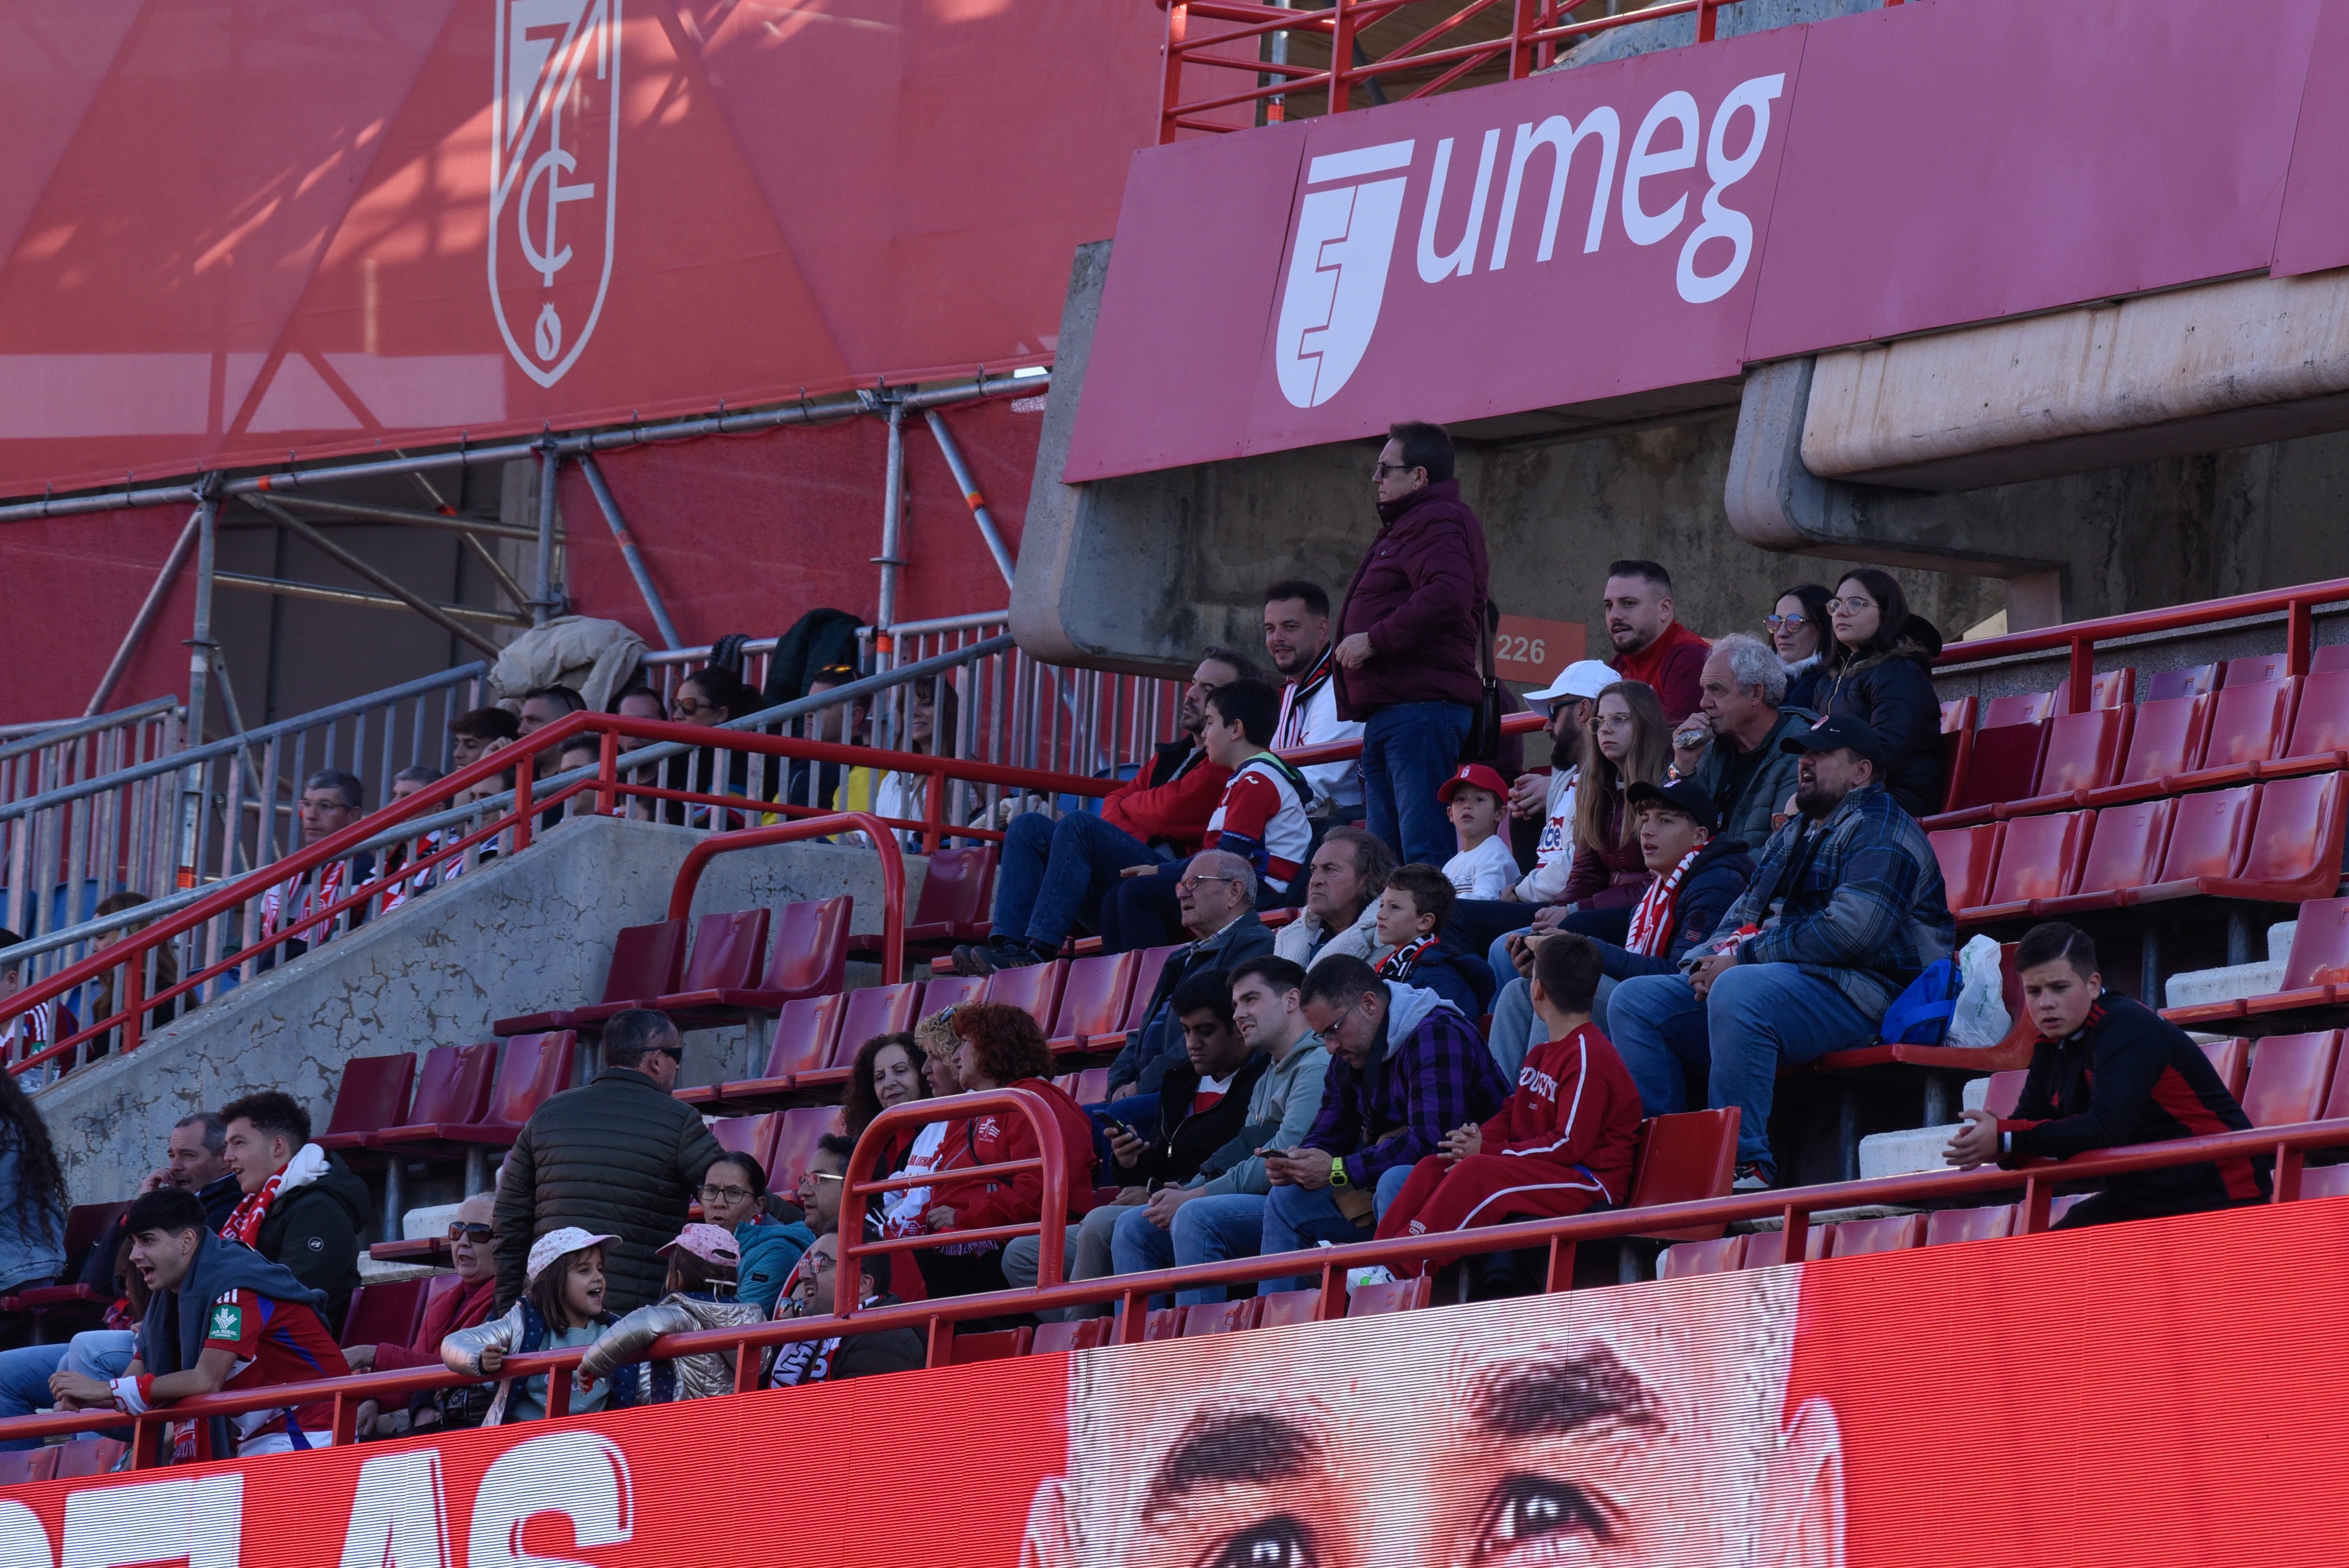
[(795, 1134), (740, 1134), (875, 1010), (2319, 726), (646, 961), (2231, 1058), (2249, 725), (2038, 858), (1146, 983), (1085, 1334), (2290, 1074), (1957, 745), (2017, 707), (2115, 688), (1033, 988), (1957, 715), (2166, 738), (1395, 1295), (23, 1467), (86, 1456), (1990, 1224), (808, 957), (1096, 994), (2325, 1181), (85, 1224), (1163, 1323), (1222, 1317), (950, 991), (999, 1346), (1967, 856), (452, 1090), (383, 1314), (2336, 1097), (2255, 669), (2210, 836), (2004, 767), (1680, 1157), (1684, 1260), (2005, 1093), (532, 1067), (2325, 660), (805, 1034), (2125, 851), (2316, 968), (1288, 1307), (1090, 1086), (1764, 1249), (2084, 752), (372, 1095), (2197, 680), (2295, 841), (1891, 1233), (952, 907)]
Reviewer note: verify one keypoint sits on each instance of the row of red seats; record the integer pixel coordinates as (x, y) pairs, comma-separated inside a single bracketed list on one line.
[(2203, 728), (79, 1460), (2315, 985), (2278, 842), (2280, 1080), (464, 1097)]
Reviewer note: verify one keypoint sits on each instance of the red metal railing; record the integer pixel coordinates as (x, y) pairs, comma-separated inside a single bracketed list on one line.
[(893, 869), (1536, 30), (2298, 606), (1131, 1293)]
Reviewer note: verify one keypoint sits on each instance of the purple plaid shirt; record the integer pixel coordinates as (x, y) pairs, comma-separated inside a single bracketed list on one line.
[(1441, 1076)]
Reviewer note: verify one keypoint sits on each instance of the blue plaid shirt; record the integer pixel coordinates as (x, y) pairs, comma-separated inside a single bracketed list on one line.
[(1416, 1089)]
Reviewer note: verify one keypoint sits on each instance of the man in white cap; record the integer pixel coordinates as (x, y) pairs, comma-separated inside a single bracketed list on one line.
[(1567, 704)]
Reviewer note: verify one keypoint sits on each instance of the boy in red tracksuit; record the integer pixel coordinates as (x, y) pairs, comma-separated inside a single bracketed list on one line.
[(1561, 1144)]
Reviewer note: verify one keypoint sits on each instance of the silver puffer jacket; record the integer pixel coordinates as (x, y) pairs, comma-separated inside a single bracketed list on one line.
[(698, 1377)]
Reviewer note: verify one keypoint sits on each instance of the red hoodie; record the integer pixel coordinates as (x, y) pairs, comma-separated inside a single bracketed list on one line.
[(460, 1306), (1673, 664), (996, 1140)]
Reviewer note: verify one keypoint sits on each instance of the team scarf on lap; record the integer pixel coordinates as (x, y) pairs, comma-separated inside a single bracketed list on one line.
[(1652, 923), (309, 1163), (809, 1360)]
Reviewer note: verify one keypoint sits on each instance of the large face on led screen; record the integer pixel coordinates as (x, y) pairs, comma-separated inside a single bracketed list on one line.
[(1604, 1427)]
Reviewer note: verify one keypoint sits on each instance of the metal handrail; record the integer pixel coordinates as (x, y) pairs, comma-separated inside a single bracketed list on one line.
[(1131, 1292), (893, 869), (74, 728)]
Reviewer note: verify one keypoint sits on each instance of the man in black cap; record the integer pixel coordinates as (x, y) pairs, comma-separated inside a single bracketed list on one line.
[(1846, 909)]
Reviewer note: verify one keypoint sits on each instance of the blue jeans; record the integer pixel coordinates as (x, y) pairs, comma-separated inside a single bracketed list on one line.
[(1296, 1220), (1756, 1016), (1206, 1231), (1409, 749), (25, 1373), (1484, 925), (1050, 874)]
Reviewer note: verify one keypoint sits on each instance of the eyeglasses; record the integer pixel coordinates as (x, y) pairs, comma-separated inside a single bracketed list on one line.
[(724, 1194), (1381, 471), (469, 1232), (674, 1053), (1613, 721), (1191, 883), (825, 1176), (686, 707), (1854, 602), (819, 1263), (1788, 623)]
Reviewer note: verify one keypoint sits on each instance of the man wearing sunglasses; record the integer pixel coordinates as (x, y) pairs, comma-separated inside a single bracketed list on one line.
[(619, 1157)]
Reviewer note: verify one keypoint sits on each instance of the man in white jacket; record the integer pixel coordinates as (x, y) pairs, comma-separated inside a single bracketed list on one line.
[(1342, 900), (1297, 638)]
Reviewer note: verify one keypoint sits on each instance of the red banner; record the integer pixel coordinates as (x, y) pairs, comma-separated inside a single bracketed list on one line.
[(2138, 1395), (1599, 234)]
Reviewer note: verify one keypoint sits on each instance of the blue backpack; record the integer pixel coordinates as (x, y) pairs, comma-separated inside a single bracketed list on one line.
[(1920, 1014)]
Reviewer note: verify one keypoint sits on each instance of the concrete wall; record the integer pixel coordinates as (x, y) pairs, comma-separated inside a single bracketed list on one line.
[(528, 933)]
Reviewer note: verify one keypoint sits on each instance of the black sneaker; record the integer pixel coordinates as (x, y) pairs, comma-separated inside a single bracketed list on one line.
[(1751, 1178), (982, 959), (974, 958)]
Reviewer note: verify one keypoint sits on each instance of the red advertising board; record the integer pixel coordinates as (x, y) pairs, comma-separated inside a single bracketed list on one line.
[(2141, 1396), (1534, 652)]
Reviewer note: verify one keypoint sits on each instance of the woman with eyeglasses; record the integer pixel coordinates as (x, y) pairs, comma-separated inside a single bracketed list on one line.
[(709, 696), (462, 1301), (734, 1198), (1628, 743), (1879, 671), (1799, 631)]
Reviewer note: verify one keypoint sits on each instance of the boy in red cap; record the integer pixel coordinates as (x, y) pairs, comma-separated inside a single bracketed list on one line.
[(1478, 803), (1560, 1144)]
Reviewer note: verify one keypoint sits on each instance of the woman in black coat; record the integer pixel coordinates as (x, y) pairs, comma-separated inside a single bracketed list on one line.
[(1879, 672)]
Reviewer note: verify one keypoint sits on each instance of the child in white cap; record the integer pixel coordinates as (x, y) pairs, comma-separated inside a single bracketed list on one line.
[(702, 1265), (562, 1307)]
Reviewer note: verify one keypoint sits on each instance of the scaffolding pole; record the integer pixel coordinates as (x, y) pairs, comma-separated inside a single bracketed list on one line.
[(447, 522), (357, 597), (145, 619), (892, 510), (550, 473), (594, 473), (336, 553), (970, 494)]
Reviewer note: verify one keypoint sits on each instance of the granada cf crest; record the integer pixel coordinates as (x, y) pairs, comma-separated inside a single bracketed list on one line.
[(555, 156)]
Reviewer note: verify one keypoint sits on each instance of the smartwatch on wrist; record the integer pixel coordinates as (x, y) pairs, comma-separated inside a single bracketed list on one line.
[(1337, 1174)]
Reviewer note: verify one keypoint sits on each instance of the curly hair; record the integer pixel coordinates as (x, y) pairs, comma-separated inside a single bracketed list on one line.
[(858, 1103), (1010, 1042)]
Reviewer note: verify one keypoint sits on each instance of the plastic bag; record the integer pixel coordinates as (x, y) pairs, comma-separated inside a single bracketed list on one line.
[(1980, 1019)]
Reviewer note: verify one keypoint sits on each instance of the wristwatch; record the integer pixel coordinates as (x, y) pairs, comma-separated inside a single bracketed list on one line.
[(1337, 1174)]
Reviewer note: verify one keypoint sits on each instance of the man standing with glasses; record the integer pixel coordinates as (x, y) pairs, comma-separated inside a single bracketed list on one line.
[(1410, 641), (619, 1157)]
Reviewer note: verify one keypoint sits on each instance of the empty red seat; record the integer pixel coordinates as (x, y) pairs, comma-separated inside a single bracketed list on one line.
[(2038, 857), (2254, 669), (997, 1346), (2115, 688), (86, 1456), (1033, 988), (1957, 745), (2084, 752), (372, 1095), (531, 1067), (2016, 708), (1684, 1157), (1957, 715), (1395, 1295), (2295, 840), (2005, 766), (876, 1010), (1685, 1259), (2320, 724), (2197, 680), (23, 1467), (452, 1089), (2325, 1181), (2005, 1093), (2230, 1059), (728, 954), (1221, 1316), (85, 1224), (795, 1132), (808, 957), (1094, 996), (2210, 836), (740, 1134), (1289, 1306), (2249, 725), (2125, 849), (806, 1032), (2290, 1076), (2165, 739), (1891, 1233), (2325, 660), (383, 1314), (1161, 1323), (1988, 1224), (1967, 856), (1090, 1086), (1085, 1334), (952, 907), (646, 961), (2315, 969), (1766, 1249)]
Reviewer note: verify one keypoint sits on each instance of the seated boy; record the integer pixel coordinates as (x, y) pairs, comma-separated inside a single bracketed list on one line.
[(1411, 912), (1560, 1144), (1478, 802)]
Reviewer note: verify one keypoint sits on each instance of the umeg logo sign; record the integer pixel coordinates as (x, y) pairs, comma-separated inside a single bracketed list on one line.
[(1344, 231), (555, 156)]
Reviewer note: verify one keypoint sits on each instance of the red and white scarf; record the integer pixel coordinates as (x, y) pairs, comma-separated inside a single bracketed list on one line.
[(1652, 923), (1398, 965), (275, 913), (309, 1163)]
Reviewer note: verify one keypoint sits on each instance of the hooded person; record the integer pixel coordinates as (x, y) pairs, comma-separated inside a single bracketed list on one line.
[(220, 1317), (302, 1206), (702, 1263)]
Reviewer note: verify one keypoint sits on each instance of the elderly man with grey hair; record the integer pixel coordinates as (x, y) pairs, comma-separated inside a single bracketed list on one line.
[(1586, 1426), (1729, 746), (1216, 896)]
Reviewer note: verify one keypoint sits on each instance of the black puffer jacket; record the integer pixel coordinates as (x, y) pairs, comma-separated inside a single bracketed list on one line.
[(617, 1157), (313, 1231), (1893, 693), (1183, 1138)]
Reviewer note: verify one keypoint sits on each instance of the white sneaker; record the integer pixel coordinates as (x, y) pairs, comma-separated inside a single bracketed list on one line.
[(1375, 1273)]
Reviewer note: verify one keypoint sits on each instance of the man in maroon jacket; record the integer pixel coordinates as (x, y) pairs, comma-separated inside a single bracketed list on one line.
[(1054, 874), (1409, 639)]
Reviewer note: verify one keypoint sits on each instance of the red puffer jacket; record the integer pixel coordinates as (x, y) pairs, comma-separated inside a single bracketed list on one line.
[(995, 1140)]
